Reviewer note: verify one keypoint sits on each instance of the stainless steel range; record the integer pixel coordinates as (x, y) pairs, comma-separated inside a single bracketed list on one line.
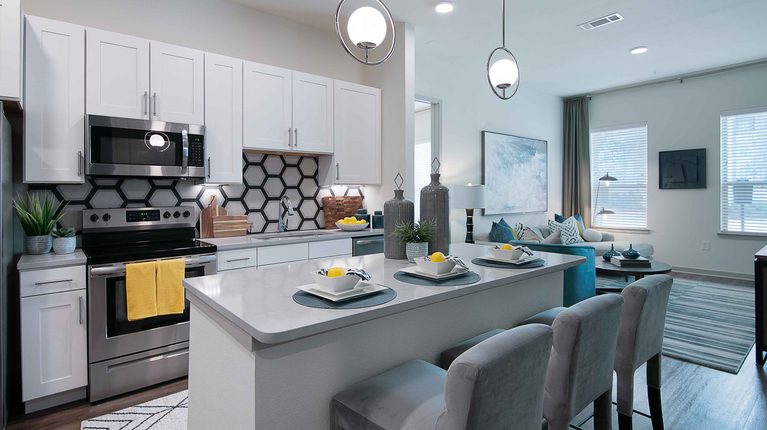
[(126, 355)]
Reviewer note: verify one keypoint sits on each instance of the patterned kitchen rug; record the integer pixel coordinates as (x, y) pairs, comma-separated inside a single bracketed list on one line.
[(707, 323), (165, 413)]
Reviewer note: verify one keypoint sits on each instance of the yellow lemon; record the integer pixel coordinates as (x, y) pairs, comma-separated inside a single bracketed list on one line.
[(336, 272), (362, 221), (353, 219), (506, 247), (437, 257)]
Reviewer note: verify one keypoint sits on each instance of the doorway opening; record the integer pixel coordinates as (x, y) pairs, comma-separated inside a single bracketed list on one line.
[(428, 138)]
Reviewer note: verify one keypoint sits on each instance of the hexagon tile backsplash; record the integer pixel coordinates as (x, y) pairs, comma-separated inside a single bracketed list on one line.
[(266, 179)]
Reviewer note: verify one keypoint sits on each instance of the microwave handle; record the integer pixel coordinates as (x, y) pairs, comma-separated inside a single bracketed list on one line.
[(185, 149)]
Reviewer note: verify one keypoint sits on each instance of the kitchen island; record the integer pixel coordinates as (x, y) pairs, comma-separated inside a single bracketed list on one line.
[(258, 360)]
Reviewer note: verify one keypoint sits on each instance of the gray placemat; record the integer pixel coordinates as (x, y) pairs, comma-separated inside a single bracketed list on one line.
[(465, 279), (312, 301), (530, 265)]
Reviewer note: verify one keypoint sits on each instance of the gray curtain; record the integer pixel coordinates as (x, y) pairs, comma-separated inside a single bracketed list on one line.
[(576, 182)]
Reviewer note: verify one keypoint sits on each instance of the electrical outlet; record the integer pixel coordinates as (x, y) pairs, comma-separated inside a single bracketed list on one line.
[(706, 245)]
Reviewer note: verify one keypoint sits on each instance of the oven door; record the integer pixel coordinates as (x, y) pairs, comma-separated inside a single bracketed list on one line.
[(110, 333)]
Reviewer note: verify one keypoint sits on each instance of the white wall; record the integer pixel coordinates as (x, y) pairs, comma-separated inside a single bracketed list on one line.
[(468, 108), (686, 116), (213, 26)]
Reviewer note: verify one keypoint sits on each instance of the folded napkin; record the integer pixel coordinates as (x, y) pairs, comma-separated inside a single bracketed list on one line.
[(522, 248), (358, 272), (454, 259)]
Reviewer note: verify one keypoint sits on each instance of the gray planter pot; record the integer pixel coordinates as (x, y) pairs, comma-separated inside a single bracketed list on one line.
[(64, 245), (39, 244), (397, 210), (416, 250), (435, 205)]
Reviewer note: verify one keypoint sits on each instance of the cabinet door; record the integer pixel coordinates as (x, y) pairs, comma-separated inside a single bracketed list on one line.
[(176, 84), (223, 119), (312, 113), (267, 99), (357, 134), (53, 344), (117, 73), (54, 114), (10, 50)]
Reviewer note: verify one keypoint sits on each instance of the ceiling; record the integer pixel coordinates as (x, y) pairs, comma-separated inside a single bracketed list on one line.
[(556, 56)]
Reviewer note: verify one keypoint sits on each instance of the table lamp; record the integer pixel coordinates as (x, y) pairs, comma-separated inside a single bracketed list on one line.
[(469, 197)]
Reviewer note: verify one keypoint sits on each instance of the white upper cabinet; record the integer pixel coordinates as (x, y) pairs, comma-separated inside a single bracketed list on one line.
[(54, 118), (223, 115), (267, 107), (357, 159), (312, 113), (176, 84), (117, 71), (10, 50)]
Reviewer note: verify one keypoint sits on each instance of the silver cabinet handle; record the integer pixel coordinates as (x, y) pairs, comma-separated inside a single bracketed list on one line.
[(154, 96), (338, 170), (238, 259), (79, 163), (368, 242), (295, 131), (290, 137), (146, 102), (52, 282), (208, 167), (80, 308)]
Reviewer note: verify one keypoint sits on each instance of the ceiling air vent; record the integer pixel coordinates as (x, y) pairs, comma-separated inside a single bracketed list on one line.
[(599, 22)]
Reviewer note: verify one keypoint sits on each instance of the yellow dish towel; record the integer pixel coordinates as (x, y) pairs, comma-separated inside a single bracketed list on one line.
[(170, 291), (140, 290)]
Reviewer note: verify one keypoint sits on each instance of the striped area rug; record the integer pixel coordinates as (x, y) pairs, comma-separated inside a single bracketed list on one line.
[(707, 323)]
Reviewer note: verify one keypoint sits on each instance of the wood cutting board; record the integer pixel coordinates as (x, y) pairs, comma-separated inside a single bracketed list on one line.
[(336, 208), (230, 225), (206, 218)]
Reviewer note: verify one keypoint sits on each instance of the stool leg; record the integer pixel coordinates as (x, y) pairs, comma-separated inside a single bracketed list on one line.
[(603, 406), (625, 422), (653, 391)]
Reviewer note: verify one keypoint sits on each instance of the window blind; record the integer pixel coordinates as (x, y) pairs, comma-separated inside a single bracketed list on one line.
[(743, 184), (621, 152)]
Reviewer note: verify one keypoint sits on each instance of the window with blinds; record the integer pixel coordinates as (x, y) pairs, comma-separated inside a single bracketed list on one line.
[(743, 185), (621, 153)]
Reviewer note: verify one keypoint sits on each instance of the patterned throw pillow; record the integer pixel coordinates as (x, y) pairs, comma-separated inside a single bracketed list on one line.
[(578, 217), (568, 230)]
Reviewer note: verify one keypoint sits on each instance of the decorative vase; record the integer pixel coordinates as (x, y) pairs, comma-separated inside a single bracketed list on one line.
[(39, 244), (397, 210), (64, 245), (610, 254), (417, 250), (630, 253), (435, 205)]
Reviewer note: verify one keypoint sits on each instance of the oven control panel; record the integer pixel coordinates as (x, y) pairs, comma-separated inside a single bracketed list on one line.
[(131, 218), (142, 215)]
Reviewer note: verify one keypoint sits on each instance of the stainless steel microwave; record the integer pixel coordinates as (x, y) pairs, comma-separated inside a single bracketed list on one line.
[(136, 147)]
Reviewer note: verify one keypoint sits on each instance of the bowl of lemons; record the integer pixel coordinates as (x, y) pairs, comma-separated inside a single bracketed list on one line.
[(506, 252), (336, 280), (351, 224), (436, 265)]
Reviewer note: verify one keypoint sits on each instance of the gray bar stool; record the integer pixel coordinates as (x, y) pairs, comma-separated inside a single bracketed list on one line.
[(497, 384)]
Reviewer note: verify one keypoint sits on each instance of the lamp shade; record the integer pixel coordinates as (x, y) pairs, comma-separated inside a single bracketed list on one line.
[(469, 196), (504, 73), (367, 27)]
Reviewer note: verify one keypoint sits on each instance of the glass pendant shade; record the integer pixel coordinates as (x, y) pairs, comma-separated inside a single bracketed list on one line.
[(504, 73), (367, 27)]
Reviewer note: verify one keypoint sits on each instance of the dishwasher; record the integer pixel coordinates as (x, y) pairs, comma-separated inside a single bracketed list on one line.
[(367, 245)]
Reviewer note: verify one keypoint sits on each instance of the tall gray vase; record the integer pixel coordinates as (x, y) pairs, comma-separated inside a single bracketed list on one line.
[(397, 210), (435, 204)]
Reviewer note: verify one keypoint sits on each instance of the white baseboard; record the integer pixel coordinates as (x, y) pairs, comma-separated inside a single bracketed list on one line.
[(54, 400), (716, 273)]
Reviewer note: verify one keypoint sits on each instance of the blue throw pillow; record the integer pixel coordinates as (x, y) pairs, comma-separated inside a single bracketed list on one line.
[(504, 223), (502, 234)]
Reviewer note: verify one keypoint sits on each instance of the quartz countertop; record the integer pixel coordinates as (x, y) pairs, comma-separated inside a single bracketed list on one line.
[(260, 301), (51, 260), (269, 239)]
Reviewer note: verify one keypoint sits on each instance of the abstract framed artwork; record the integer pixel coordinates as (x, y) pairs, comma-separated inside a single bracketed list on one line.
[(683, 169), (515, 174)]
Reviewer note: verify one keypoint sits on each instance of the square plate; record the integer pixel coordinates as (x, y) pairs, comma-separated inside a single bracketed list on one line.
[(523, 260), (362, 289), (416, 271)]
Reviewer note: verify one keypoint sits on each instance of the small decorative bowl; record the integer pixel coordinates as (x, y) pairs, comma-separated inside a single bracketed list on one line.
[(506, 254), (435, 268), (340, 283), (352, 227)]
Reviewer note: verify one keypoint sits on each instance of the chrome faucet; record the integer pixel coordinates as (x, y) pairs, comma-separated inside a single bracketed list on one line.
[(284, 225)]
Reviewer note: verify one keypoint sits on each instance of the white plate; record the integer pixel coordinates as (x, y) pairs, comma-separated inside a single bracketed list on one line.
[(362, 289), (415, 271), (525, 259)]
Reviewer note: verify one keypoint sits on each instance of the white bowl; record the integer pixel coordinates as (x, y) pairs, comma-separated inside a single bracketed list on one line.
[(340, 283), (352, 227), (506, 254), (434, 268)]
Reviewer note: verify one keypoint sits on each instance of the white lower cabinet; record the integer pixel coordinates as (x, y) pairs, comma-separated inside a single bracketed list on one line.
[(271, 255), (236, 259), (53, 343)]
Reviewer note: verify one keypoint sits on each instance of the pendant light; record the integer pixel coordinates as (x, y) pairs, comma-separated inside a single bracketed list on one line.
[(366, 29), (503, 74)]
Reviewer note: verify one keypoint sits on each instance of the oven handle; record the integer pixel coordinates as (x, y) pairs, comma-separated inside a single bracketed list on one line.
[(118, 269), (115, 367), (185, 150)]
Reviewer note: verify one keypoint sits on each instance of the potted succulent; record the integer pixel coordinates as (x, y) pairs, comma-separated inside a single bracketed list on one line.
[(64, 240), (416, 237), (38, 215)]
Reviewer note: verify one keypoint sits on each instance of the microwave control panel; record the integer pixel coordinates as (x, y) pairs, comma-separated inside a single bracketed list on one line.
[(196, 150)]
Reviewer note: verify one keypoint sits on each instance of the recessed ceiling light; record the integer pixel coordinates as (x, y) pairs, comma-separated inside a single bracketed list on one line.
[(444, 7), (639, 50)]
